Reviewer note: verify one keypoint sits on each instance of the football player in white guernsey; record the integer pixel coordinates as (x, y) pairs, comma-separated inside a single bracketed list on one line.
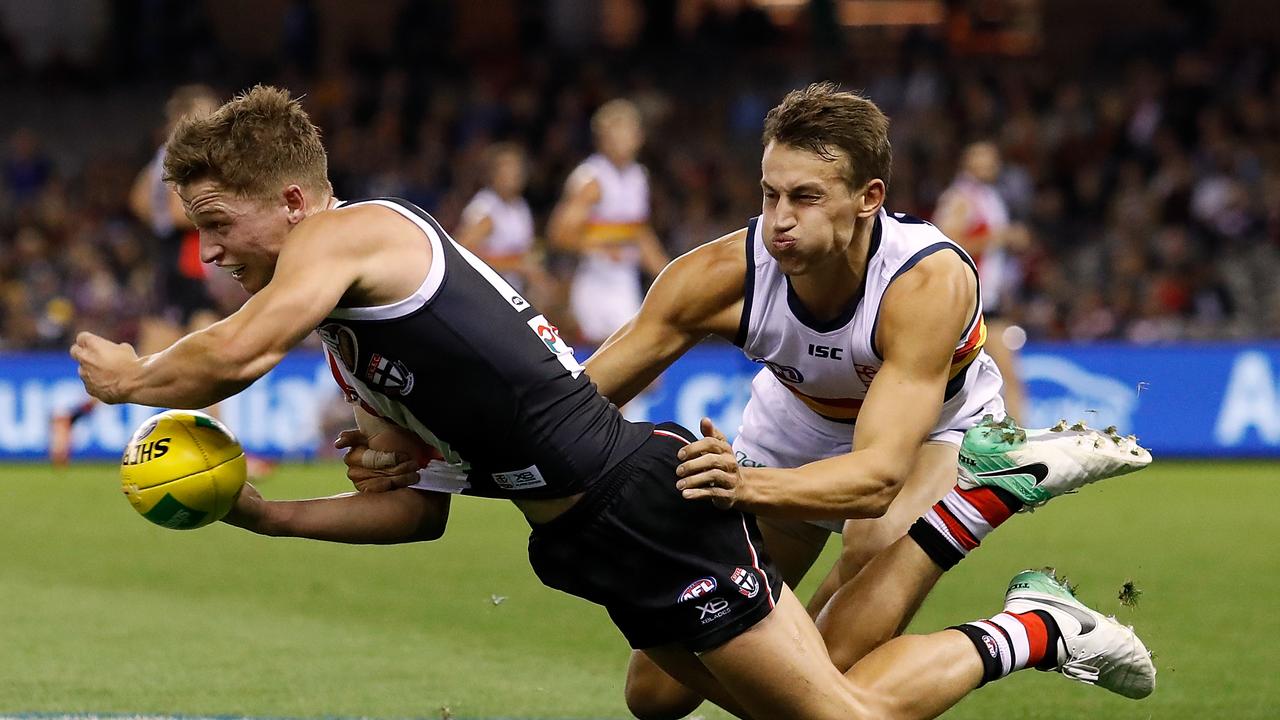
[(870, 330), (973, 213), (498, 227), (252, 178), (604, 217)]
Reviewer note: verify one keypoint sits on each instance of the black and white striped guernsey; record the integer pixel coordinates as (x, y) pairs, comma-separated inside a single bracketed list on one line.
[(476, 371)]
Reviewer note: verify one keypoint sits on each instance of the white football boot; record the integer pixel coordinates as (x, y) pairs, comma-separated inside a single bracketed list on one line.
[(1094, 649), (1039, 465)]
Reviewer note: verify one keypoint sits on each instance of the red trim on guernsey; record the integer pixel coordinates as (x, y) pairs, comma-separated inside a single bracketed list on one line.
[(348, 390), (666, 433)]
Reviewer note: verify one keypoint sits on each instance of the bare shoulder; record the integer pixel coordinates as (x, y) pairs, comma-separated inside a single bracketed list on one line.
[(703, 288), (385, 250), (938, 295)]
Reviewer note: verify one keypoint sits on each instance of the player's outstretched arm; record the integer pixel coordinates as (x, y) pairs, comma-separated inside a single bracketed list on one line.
[(698, 294), (387, 518), (569, 218), (320, 261), (922, 317)]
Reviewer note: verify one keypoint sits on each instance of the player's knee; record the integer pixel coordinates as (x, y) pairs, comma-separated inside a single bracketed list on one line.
[(653, 696)]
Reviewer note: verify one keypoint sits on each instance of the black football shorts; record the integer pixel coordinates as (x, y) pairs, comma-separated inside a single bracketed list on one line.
[(668, 570)]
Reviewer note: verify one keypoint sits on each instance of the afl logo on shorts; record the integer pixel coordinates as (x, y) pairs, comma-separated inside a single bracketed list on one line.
[(342, 341), (746, 581), (698, 589)]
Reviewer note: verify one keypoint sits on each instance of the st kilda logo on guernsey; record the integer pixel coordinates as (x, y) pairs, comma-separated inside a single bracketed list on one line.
[(342, 341), (388, 376)]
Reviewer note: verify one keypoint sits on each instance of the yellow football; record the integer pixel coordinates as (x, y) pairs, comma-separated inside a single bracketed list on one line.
[(182, 469)]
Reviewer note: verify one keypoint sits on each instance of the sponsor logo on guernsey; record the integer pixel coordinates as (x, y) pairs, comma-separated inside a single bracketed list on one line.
[(784, 372), (825, 351), (698, 588), (388, 375), (525, 479), (342, 341), (746, 581), (550, 336), (713, 610)]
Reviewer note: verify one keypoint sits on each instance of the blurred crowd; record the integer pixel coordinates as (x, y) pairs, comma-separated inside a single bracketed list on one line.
[(1147, 180)]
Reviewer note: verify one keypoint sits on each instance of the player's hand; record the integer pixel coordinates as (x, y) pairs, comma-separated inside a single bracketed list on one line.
[(105, 367), (709, 469), (376, 464)]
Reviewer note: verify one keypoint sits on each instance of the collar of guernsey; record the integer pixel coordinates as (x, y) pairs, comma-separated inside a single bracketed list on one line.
[(828, 365)]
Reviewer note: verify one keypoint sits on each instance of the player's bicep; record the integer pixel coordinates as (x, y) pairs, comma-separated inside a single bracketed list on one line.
[(312, 274), (698, 294), (922, 318)]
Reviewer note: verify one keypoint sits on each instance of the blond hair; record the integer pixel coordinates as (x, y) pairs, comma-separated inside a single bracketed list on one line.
[(823, 120), (612, 111), (254, 145)]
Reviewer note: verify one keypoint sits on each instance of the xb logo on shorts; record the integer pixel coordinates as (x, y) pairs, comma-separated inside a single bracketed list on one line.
[(746, 581), (715, 609), (698, 589)]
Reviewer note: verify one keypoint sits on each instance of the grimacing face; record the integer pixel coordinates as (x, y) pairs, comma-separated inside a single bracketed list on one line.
[(809, 208), (242, 236)]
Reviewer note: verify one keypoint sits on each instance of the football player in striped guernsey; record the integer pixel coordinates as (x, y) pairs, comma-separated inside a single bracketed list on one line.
[(870, 332)]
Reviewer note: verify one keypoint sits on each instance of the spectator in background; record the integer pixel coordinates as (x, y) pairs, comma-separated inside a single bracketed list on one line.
[(498, 226), (972, 212), (604, 217)]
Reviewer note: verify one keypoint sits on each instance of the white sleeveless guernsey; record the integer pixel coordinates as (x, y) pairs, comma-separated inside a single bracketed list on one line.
[(988, 215), (512, 228), (816, 374), (606, 289), (512, 232)]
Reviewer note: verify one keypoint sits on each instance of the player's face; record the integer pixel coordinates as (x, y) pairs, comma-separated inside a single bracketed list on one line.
[(621, 138), (509, 175), (242, 236), (809, 208), (982, 160)]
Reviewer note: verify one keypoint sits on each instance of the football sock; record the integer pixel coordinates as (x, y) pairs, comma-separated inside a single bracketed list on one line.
[(958, 522), (83, 409), (1009, 642)]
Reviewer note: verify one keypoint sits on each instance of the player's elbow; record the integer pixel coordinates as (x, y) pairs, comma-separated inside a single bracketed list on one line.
[(429, 529), (433, 515)]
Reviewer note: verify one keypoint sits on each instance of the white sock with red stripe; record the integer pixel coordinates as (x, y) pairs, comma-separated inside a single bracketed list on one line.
[(1010, 642), (957, 523)]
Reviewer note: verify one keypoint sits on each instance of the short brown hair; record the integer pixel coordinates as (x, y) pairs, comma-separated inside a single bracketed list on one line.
[(253, 145), (823, 119)]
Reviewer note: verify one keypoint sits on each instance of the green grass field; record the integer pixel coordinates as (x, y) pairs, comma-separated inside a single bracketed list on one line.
[(101, 612)]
